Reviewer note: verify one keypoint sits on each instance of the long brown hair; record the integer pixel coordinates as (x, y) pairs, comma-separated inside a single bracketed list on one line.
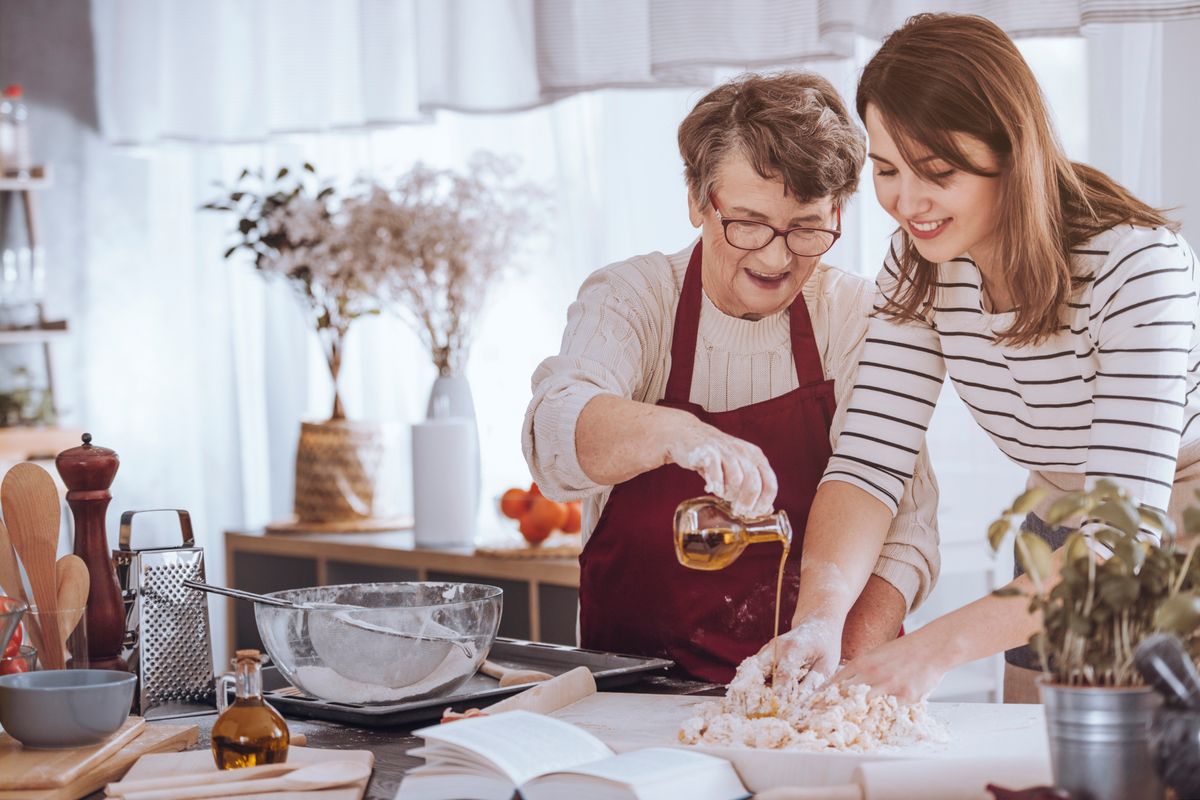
[(942, 74)]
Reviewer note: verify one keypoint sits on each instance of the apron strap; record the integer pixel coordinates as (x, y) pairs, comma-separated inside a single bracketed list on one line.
[(687, 326)]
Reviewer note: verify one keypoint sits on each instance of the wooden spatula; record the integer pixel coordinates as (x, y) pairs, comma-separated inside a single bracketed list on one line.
[(71, 575), (31, 510)]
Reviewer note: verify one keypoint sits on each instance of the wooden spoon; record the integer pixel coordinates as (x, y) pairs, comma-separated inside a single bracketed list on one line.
[(512, 677), (315, 776), (74, 584), (31, 510)]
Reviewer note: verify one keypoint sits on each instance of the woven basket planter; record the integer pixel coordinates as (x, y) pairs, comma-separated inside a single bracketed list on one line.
[(337, 471)]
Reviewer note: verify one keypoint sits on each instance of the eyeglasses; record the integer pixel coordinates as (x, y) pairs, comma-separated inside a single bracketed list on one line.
[(746, 234)]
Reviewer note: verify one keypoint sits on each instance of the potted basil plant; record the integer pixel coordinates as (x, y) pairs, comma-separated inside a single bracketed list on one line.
[(1110, 585)]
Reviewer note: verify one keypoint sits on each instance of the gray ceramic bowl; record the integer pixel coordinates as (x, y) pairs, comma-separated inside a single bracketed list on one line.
[(64, 708)]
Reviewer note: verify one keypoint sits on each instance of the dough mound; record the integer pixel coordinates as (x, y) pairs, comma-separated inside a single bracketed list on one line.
[(815, 715)]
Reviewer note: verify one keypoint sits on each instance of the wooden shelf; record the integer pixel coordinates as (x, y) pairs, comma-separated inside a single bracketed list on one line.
[(40, 177), (49, 331), (24, 443)]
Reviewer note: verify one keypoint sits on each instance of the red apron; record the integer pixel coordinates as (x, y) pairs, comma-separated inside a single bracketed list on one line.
[(634, 596)]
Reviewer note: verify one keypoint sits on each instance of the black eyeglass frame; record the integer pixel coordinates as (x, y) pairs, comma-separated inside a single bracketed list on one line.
[(725, 223)]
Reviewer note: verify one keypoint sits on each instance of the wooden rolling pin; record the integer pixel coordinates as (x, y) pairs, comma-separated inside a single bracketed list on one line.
[(512, 677)]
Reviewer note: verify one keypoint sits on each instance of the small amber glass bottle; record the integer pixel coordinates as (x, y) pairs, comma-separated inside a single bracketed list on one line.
[(249, 732), (709, 536)]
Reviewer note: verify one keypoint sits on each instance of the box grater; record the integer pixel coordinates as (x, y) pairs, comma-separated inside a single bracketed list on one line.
[(167, 639)]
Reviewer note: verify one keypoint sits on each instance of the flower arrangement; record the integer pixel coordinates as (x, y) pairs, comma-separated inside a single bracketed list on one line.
[(1116, 586), (296, 230), (448, 237), (427, 246)]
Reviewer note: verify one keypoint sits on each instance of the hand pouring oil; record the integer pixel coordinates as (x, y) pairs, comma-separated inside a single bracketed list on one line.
[(249, 732), (709, 536)]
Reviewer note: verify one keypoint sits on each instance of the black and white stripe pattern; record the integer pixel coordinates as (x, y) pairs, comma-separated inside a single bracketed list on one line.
[(1113, 394)]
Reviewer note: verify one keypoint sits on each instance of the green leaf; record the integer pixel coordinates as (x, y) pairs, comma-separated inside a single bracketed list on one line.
[(309, 168), (1130, 551), (996, 533), (1007, 591), (230, 251), (1079, 625), (1035, 556), (1028, 500), (1118, 592), (1120, 514), (1076, 548), (1106, 489), (1179, 614), (1156, 520), (283, 171), (245, 226), (1109, 537), (1065, 507)]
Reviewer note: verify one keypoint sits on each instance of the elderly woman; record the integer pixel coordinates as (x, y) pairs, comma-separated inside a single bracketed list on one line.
[(725, 366)]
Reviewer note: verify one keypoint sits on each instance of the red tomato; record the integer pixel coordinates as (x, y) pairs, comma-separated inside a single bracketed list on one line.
[(14, 644), (13, 665)]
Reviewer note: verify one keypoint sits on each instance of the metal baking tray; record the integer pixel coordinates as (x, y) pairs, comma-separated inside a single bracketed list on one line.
[(610, 670)]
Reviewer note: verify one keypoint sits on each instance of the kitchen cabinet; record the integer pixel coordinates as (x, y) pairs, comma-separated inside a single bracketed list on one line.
[(540, 594)]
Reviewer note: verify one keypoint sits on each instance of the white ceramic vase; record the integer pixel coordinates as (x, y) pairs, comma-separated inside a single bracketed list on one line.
[(451, 397)]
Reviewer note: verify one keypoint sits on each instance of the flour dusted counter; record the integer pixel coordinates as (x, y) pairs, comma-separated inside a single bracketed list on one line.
[(540, 594)]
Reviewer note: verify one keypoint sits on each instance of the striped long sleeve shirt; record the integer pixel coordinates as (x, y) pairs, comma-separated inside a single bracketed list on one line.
[(1112, 394)]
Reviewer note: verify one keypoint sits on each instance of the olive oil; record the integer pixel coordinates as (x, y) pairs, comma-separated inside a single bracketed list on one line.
[(709, 536), (249, 732)]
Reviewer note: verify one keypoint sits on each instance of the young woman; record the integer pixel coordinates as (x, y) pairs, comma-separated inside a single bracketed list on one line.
[(1062, 308)]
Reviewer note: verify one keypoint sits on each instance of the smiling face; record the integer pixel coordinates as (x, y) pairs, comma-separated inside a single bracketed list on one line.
[(752, 284), (945, 219)]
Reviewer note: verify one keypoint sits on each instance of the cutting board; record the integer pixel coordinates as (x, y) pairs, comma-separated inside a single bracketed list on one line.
[(155, 738), (23, 768), (195, 762), (977, 731)]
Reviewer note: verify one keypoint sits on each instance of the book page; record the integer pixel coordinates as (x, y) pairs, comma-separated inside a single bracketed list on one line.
[(648, 765), (521, 744)]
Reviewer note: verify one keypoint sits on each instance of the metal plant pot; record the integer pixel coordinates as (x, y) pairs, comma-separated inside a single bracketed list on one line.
[(1100, 741)]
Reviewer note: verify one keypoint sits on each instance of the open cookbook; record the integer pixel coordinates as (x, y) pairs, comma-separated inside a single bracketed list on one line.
[(490, 757)]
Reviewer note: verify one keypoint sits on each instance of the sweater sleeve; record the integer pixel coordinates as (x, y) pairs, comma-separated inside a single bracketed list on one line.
[(609, 347), (899, 377), (1142, 315), (909, 559)]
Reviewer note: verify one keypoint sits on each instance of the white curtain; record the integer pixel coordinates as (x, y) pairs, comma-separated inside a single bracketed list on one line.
[(243, 70)]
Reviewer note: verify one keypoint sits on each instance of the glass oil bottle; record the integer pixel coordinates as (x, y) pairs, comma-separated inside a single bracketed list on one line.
[(709, 536), (248, 733)]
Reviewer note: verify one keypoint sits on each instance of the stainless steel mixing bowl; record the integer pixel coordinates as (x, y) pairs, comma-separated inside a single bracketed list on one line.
[(380, 642)]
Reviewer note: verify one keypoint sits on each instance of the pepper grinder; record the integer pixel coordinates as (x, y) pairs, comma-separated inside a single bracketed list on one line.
[(88, 471)]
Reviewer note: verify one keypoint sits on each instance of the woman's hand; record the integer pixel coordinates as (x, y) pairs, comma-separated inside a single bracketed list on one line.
[(734, 470), (811, 648), (908, 667)]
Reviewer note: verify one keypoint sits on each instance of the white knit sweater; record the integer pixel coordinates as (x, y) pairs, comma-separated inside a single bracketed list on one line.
[(618, 341)]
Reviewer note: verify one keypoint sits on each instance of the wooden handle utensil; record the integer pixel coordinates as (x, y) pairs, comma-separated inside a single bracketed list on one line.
[(512, 677), (71, 575), (32, 510)]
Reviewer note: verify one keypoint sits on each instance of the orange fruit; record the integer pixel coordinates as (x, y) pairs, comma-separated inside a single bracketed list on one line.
[(533, 529), (534, 491), (574, 519), (548, 514), (514, 503)]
